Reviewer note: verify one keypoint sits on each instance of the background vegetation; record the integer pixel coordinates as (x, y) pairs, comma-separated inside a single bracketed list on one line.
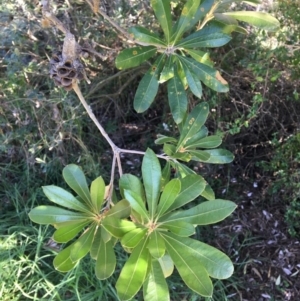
[(43, 128)]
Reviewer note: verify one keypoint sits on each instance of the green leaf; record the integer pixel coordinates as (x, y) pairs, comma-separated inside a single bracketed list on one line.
[(209, 76), (151, 172), (186, 19), (199, 135), (170, 192), (199, 155), (62, 261), (168, 70), (166, 173), (179, 228), (134, 56), (148, 87), (177, 98), (133, 183), (52, 215), (156, 245), (96, 243), (216, 263), (193, 124), (161, 139), (117, 227), (155, 287), (134, 272), (208, 37), (259, 19), (209, 212), (120, 210), (193, 81), (144, 35), (183, 170), (162, 12), (64, 198), (68, 232), (97, 191), (169, 149), (105, 235), (227, 24), (137, 204), (191, 271), (75, 178), (83, 244), (208, 193), (106, 260), (131, 239), (167, 265), (207, 142), (219, 156)]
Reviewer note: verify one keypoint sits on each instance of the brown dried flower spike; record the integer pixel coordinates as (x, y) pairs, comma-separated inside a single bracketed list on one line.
[(66, 67)]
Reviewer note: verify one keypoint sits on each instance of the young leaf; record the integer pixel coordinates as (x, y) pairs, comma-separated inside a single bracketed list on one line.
[(168, 196), (96, 243), (156, 245), (187, 17), (155, 287), (134, 272), (64, 198), (117, 227), (144, 35), (151, 172), (161, 139), (207, 142), (62, 261), (162, 12), (179, 228), (191, 271), (134, 56), (83, 244), (259, 19), (219, 156), (199, 135), (97, 191), (133, 183), (121, 210), (208, 193), (167, 265), (68, 232), (148, 87), (75, 178), (131, 239), (177, 98), (106, 260), (137, 204), (216, 263), (52, 215), (193, 124)]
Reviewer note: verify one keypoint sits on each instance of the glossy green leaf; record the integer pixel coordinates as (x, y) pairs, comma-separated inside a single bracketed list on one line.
[(179, 228), (199, 135), (64, 198), (156, 245), (155, 287), (259, 19), (183, 170), (148, 87), (133, 183), (52, 215), (68, 232), (190, 269), (208, 37), (193, 81), (83, 244), (209, 212), (170, 192), (219, 156), (216, 263), (199, 155), (62, 261), (207, 142), (183, 156), (75, 178), (167, 265), (96, 243), (186, 19), (105, 235), (193, 124), (120, 210), (196, 54), (168, 70), (106, 260), (209, 76), (162, 12), (161, 139), (151, 172), (169, 149), (177, 98), (131, 239), (208, 193), (134, 56), (227, 24), (166, 174), (146, 36), (117, 227), (134, 272), (137, 204), (97, 191)]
